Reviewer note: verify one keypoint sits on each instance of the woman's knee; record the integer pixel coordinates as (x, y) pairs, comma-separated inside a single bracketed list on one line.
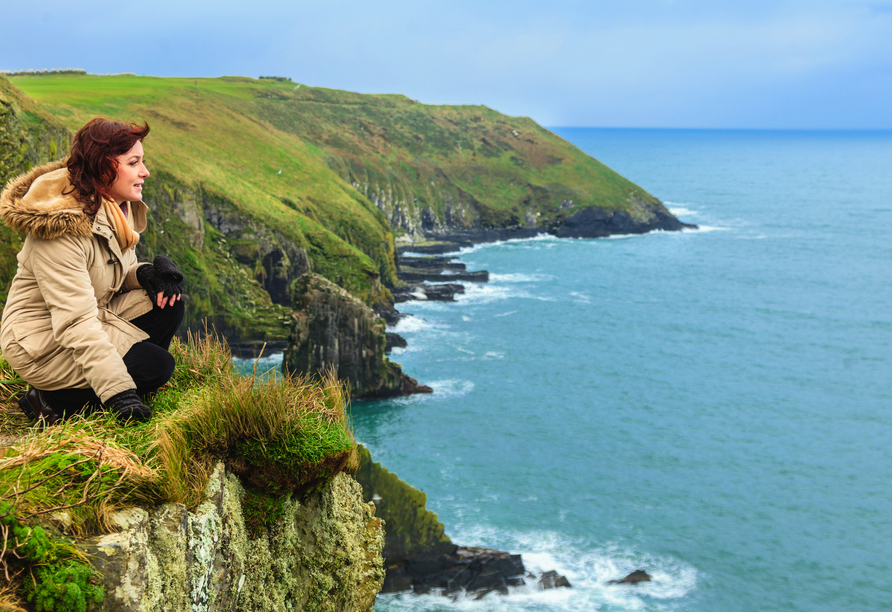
[(149, 365)]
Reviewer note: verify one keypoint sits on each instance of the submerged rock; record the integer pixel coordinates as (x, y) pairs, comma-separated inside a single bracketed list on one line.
[(331, 329), (552, 580), (633, 578), (323, 553)]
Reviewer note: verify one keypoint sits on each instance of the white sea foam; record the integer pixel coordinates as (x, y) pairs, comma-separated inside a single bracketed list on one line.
[(489, 292), (412, 323), (678, 209), (587, 567), (628, 236), (451, 387), (538, 238), (506, 314), (518, 278), (706, 228)]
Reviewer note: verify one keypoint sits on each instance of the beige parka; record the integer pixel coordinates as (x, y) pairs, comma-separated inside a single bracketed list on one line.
[(66, 320)]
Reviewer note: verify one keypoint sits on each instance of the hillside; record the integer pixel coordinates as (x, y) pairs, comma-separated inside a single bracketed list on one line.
[(255, 182)]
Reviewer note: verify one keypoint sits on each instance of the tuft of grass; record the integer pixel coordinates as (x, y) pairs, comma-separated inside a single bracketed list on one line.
[(201, 360), (12, 420), (280, 435), (9, 599)]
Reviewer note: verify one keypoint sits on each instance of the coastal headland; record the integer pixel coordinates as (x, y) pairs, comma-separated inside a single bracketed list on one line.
[(299, 215)]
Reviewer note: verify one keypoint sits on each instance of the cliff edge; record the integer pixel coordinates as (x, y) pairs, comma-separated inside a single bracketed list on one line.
[(235, 496)]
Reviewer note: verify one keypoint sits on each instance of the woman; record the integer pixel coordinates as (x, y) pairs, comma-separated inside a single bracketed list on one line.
[(79, 324)]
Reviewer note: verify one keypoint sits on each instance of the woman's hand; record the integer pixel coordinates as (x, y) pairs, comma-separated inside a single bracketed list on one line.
[(163, 301), (161, 279)]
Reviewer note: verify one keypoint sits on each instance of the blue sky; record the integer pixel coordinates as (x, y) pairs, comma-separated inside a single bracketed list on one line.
[(822, 64)]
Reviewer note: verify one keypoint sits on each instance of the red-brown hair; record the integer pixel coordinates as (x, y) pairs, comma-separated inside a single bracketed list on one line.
[(92, 163)]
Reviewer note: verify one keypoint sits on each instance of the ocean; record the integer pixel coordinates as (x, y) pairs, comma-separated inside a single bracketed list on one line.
[(713, 406)]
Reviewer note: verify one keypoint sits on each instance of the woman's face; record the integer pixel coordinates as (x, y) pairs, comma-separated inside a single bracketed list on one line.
[(132, 173)]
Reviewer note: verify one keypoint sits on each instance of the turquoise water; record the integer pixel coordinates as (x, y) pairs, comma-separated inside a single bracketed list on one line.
[(710, 406)]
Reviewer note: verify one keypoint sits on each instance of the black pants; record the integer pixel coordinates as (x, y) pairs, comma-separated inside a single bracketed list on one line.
[(148, 362)]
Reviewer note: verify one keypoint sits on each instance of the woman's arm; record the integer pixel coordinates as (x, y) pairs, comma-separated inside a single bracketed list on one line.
[(61, 269)]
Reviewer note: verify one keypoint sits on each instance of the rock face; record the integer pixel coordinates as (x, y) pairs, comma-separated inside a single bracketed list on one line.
[(417, 552), (332, 329), (469, 568), (324, 553)]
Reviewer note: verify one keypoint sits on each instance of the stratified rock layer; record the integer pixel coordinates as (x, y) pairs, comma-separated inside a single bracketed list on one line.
[(332, 329), (323, 553)]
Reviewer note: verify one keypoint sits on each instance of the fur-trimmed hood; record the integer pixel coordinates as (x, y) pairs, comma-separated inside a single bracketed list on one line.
[(38, 203)]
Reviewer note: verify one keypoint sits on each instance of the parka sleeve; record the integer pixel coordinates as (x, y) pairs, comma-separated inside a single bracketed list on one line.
[(60, 266), (130, 283)]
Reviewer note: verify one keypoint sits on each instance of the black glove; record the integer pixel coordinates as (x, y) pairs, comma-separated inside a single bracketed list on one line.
[(127, 406), (160, 277)]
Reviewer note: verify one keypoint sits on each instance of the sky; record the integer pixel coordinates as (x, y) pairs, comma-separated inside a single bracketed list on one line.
[(759, 64)]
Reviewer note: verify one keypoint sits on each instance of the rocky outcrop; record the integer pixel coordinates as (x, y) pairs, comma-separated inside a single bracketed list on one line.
[(276, 260), (441, 292), (461, 220), (414, 275), (394, 341), (633, 578), (598, 223), (552, 580), (332, 329), (323, 553), (436, 265), (469, 569)]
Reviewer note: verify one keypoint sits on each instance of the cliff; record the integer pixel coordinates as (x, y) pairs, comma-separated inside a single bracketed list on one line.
[(333, 330), (237, 495)]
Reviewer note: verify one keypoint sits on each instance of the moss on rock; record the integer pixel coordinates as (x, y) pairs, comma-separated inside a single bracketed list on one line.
[(412, 529), (322, 553)]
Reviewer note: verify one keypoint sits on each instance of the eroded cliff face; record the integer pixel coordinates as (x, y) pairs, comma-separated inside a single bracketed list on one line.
[(323, 553), (332, 329)]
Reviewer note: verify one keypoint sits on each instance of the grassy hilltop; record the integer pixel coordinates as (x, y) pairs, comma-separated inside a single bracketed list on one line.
[(254, 181)]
